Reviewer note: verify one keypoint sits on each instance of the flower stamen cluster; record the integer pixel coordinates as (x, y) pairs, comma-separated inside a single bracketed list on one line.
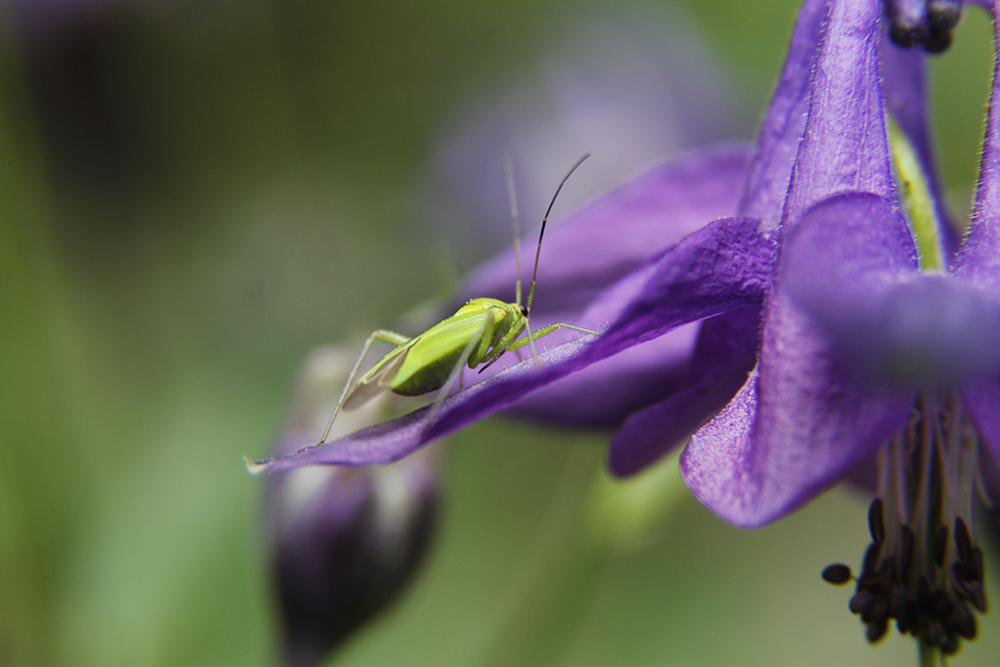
[(923, 568)]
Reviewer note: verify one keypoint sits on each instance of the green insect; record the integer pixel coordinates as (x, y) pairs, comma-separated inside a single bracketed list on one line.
[(478, 334)]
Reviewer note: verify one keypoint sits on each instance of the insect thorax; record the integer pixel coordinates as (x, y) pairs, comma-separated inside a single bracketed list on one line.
[(486, 303)]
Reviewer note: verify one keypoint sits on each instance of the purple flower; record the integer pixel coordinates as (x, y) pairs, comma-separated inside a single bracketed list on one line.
[(871, 348), (854, 347)]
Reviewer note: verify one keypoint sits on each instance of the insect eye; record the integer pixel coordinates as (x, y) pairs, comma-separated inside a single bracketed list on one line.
[(524, 311)]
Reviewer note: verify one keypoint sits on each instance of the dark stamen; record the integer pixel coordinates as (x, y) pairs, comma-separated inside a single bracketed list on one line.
[(963, 574), (904, 611), (923, 591), (935, 634), (925, 23), (944, 14), (871, 560), (962, 621), (876, 631), (837, 574), (939, 606), (907, 36), (861, 602), (979, 597), (940, 547), (938, 40), (913, 575), (977, 562), (878, 612), (950, 645), (906, 25), (886, 575), (963, 541), (906, 539), (876, 521)]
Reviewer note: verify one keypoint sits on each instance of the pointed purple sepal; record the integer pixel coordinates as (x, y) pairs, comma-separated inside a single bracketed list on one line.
[(780, 134), (979, 261)]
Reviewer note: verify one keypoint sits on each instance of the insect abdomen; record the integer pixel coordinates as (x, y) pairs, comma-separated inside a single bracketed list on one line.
[(425, 375), (432, 356)]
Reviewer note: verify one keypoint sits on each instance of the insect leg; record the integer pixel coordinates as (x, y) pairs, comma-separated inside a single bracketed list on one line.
[(545, 331), (498, 350), (380, 334), (531, 343)]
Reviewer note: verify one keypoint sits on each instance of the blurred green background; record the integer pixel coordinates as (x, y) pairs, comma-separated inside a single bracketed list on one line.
[(193, 195)]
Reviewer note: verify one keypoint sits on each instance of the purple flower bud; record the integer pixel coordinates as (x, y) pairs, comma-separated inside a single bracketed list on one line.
[(344, 542)]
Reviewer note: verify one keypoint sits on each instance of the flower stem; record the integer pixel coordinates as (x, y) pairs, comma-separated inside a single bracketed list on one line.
[(930, 656)]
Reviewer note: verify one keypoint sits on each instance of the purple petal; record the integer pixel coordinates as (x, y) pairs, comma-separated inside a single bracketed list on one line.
[(639, 375), (721, 267), (778, 141), (605, 240), (800, 423), (802, 420), (382, 443), (726, 352), (840, 246), (979, 261), (781, 442), (651, 371), (851, 264), (844, 146), (932, 330)]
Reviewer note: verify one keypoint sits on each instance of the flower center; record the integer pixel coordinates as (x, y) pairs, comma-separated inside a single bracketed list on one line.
[(923, 567)]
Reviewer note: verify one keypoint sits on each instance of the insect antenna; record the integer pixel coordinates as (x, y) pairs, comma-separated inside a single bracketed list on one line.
[(538, 252), (512, 197), (534, 273)]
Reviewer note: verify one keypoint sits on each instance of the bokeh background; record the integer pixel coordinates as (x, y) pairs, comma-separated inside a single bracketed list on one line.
[(193, 195)]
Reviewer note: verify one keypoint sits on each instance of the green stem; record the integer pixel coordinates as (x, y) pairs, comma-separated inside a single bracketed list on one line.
[(554, 588), (930, 656)]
